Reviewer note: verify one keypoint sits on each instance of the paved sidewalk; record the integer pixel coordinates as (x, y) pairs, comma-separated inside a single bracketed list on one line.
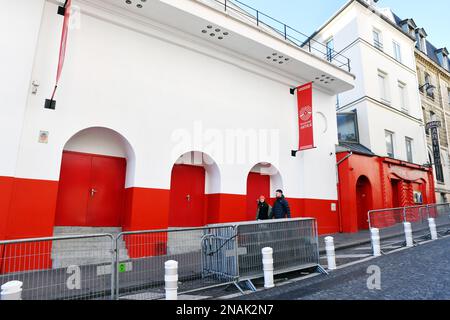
[(419, 273), (348, 240)]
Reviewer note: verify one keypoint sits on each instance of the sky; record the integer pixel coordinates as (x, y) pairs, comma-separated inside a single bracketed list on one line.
[(308, 15)]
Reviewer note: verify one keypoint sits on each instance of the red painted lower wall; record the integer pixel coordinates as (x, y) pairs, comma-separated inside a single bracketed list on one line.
[(29, 213), (382, 174), (28, 210)]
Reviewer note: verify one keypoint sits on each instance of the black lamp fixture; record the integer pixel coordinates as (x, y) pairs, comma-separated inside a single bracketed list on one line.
[(62, 9), (427, 86)]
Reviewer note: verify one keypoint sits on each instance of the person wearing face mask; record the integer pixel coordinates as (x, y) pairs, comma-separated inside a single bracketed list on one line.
[(264, 211)]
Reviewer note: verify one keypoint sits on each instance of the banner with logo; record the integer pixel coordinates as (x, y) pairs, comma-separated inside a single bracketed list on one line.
[(305, 116)]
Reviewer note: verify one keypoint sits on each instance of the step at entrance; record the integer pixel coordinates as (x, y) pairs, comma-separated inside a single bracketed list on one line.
[(89, 251)]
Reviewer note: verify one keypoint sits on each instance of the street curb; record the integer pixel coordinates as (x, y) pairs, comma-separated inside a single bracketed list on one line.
[(369, 241)]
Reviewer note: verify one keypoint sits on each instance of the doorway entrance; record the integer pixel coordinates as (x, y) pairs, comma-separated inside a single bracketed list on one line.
[(363, 202), (257, 185), (187, 196), (91, 190)]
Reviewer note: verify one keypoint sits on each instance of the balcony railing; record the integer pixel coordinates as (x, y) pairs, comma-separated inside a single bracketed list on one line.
[(286, 32)]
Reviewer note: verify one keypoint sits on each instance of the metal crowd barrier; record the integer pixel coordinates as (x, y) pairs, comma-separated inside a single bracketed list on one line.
[(205, 256), (390, 222), (131, 265), (441, 214), (294, 242), (60, 268)]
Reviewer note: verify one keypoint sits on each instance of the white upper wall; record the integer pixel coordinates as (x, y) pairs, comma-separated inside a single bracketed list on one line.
[(352, 31), (19, 29), (155, 93)]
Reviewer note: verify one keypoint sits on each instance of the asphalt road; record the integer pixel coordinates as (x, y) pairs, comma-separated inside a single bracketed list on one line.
[(420, 273)]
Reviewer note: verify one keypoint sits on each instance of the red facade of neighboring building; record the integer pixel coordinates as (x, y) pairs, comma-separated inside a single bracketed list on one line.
[(372, 182)]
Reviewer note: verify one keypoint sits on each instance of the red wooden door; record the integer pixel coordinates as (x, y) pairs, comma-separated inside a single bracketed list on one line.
[(187, 196), (73, 195), (257, 185), (91, 190), (363, 202), (106, 203)]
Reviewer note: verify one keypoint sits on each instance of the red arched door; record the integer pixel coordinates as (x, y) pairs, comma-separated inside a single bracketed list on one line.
[(91, 190), (363, 202), (257, 185), (187, 196)]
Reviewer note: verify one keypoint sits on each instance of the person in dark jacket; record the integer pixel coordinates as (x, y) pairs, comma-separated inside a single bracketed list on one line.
[(264, 211), (281, 208)]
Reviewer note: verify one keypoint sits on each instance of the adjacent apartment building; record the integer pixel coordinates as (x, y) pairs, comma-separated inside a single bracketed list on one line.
[(382, 157), (433, 71)]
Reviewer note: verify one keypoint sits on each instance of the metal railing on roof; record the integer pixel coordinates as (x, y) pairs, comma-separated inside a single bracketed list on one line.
[(288, 33)]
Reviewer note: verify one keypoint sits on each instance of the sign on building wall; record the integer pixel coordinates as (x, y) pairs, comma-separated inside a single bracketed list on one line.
[(305, 113), (433, 128)]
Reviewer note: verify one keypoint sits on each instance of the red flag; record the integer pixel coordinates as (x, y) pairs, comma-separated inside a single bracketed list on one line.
[(62, 48), (305, 116)]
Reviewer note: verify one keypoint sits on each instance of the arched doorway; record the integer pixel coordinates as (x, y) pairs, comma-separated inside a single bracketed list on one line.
[(92, 179), (263, 180), (363, 201), (194, 175)]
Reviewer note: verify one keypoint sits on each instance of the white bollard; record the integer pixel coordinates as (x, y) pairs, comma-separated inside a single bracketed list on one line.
[(171, 279), (408, 234), (267, 255), (12, 291), (433, 228), (375, 234), (331, 254)]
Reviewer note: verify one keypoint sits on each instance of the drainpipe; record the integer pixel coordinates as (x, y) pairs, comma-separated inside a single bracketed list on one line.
[(350, 153)]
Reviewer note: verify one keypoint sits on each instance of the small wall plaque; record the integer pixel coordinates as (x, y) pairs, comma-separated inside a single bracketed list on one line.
[(43, 137)]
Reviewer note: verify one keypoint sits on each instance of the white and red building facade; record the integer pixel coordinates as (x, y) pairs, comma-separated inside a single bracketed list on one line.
[(168, 114), (383, 158)]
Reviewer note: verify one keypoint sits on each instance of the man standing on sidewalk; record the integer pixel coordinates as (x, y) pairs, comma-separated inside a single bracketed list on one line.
[(281, 208)]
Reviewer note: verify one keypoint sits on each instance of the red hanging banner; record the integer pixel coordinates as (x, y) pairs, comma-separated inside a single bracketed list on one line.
[(62, 48), (305, 116)]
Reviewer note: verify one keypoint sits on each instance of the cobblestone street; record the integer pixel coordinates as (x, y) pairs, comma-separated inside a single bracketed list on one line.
[(420, 273)]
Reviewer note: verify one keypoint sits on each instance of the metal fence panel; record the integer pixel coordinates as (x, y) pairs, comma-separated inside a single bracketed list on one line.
[(205, 259), (60, 268), (294, 243), (441, 214), (390, 222)]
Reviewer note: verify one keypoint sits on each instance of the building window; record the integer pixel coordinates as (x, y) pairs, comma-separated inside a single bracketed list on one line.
[(383, 86), (429, 87), (433, 116), (439, 173), (330, 49), (389, 143), (348, 127), (448, 95), (403, 95), (377, 39), (409, 151), (421, 42), (443, 59), (397, 51)]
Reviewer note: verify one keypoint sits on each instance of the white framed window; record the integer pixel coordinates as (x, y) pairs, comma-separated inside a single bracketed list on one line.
[(383, 86), (389, 135), (409, 149), (448, 95), (445, 63), (377, 39), (397, 51), (403, 96), (421, 42)]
